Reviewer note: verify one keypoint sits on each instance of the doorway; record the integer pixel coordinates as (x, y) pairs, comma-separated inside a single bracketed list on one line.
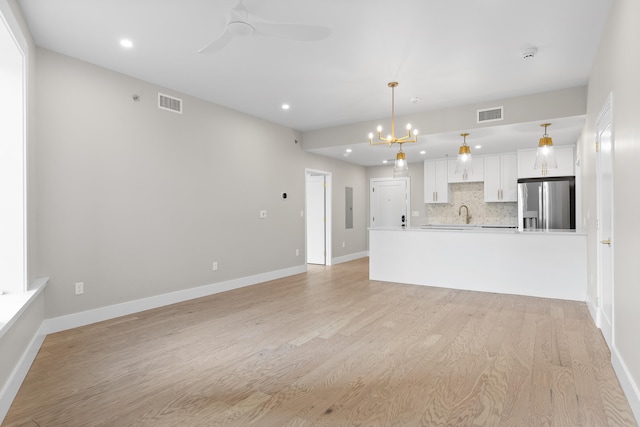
[(318, 217), (604, 201), (389, 202)]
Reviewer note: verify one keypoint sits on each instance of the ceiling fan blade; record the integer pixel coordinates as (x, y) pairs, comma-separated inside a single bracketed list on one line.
[(218, 44), (292, 31)]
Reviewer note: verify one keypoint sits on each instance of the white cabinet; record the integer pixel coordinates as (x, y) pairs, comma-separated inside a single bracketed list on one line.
[(500, 178), (476, 176), (436, 181), (564, 158)]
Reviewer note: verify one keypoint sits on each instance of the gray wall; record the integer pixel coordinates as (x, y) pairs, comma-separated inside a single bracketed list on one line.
[(616, 70), (135, 201)]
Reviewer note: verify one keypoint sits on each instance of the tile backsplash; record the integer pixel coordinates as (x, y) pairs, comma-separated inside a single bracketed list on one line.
[(472, 195)]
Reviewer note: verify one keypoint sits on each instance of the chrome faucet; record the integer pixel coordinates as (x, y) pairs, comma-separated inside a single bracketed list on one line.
[(468, 217)]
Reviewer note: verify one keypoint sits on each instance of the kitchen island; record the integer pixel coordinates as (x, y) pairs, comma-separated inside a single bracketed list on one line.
[(550, 264)]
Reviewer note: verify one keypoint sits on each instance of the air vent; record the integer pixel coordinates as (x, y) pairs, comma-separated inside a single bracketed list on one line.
[(490, 115), (169, 103)]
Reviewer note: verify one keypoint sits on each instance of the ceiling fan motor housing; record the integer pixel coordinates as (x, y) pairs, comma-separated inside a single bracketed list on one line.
[(240, 28)]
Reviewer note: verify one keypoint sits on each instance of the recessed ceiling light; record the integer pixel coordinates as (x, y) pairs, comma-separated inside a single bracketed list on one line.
[(385, 161), (285, 106), (423, 152), (415, 99), (126, 43), (477, 147), (348, 150)]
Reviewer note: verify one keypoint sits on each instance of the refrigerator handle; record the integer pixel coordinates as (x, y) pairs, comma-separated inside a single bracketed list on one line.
[(541, 217)]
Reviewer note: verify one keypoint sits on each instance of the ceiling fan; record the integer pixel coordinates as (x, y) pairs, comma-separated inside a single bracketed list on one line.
[(240, 24)]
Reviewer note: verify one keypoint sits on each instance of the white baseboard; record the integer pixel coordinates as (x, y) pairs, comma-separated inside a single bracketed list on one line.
[(593, 310), (11, 387), (88, 317), (350, 257), (630, 388)]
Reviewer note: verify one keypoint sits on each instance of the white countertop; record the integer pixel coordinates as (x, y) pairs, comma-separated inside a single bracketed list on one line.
[(473, 228)]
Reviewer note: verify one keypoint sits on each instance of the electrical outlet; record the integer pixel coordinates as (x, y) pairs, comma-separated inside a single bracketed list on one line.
[(263, 214), (79, 288), (214, 266)]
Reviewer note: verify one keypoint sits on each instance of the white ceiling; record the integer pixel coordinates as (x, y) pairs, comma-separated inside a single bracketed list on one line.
[(495, 139), (447, 52)]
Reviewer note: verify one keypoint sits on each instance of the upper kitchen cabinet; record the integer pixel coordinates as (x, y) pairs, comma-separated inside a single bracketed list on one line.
[(500, 178), (564, 158), (436, 181), (476, 176)]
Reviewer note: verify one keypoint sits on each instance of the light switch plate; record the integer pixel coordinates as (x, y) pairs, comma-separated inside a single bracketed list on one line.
[(263, 214)]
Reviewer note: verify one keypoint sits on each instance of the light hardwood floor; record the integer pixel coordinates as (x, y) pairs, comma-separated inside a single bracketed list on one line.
[(330, 348)]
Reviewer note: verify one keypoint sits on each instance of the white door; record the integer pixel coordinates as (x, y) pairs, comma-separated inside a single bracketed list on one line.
[(389, 202), (316, 219), (604, 176)]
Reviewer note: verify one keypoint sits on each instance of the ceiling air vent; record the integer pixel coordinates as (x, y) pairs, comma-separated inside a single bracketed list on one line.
[(169, 103), (490, 115)]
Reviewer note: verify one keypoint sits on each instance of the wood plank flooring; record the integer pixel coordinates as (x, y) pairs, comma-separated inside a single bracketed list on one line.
[(330, 348)]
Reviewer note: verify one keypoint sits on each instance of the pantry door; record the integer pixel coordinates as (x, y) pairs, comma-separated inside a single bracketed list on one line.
[(606, 241)]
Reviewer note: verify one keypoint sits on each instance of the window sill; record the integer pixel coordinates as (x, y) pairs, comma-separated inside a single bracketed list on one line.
[(14, 304)]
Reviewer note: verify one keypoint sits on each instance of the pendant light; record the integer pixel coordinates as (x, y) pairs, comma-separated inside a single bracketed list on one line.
[(401, 168), (464, 164), (546, 156)]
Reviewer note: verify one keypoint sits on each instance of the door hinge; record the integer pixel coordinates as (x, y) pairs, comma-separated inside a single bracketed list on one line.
[(373, 190), (597, 147)]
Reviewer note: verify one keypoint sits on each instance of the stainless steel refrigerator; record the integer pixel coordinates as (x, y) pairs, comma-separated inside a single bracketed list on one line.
[(547, 203)]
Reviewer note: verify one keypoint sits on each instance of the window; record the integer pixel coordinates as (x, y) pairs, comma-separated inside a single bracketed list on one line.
[(12, 158)]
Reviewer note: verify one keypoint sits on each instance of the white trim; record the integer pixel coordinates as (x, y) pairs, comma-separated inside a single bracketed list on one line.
[(13, 305), (630, 388), (88, 317), (11, 387), (593, 308), (349, 257)]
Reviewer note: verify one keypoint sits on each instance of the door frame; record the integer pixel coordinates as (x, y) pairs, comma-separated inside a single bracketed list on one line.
[(407, 199), (604, 119), (327, 213)]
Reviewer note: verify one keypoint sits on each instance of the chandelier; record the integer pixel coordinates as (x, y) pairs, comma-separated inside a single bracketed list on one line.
[(400, 169)]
